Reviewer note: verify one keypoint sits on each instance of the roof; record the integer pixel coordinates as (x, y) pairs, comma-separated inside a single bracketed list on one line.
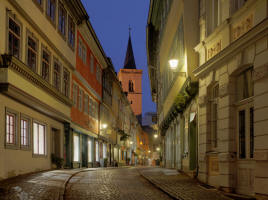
[(129, 59)]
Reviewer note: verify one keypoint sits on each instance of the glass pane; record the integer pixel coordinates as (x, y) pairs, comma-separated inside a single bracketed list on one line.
[(89, 151), (251, 132), (76, 148), (242, 134), (97, 151), (35, 138), (41, 140)]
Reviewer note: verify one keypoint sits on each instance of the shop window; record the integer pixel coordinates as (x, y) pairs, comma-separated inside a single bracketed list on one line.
[(71, 31), (11, 128), (62, 19), (39, 139), (76, 148), (66, 82), (51, 10), (89, 153), (14, 38), (25, 133), (97, 151), (45, 66), (56, 75)]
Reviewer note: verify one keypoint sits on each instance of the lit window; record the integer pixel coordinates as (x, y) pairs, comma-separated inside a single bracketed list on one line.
[(76, 148), (89, 151), (10, 128), (24, 133), (104, 151), (39, 139), (56, 75), (45, 65), (71, 31), (66, 82), (51, 10), (32, 53), (14, 33), (62, 19)]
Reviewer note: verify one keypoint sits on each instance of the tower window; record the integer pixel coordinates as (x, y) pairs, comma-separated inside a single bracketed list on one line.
[(130, 86)]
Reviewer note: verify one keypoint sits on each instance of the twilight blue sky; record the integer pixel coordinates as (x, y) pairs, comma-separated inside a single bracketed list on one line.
[(110, 20)]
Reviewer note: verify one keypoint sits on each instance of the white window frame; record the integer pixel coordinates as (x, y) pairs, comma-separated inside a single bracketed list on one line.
[(38, 153)]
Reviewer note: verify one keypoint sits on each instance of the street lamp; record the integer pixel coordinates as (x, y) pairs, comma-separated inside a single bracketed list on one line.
[(158, 149), (155, 136), (131, 142), (104, 126), (173, 63), (149, 151)]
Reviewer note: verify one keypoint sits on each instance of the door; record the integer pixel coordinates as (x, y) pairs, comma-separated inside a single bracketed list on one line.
[(55, 143), (84, 151), (193, 138), (245, 149)]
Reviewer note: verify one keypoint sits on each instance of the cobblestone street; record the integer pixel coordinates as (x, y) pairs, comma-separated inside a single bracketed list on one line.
[(122, 183)]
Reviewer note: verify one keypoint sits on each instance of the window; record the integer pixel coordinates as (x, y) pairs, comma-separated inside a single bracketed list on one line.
[(84, 54), (10, 128), (214, 15), (104, 151), (214, 115), (51, 10), (24, 133), (86, 104), (90, 107), (66, 82), (98, 73), (14, 33), (76, 148), (45, 65), (62, 19), (39, 139), (39, 2), (56, 75), (80, 99), (32, 53), (130, 86), (236, 5), (91, 63), (71, 31), (242, 134), (245, 85), (80, 48), (89, 153), (97, 151), (75, 91)]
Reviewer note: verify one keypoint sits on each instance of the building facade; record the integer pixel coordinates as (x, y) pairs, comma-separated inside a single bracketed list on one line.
[(172, 34), (233, 80), (35, 82)]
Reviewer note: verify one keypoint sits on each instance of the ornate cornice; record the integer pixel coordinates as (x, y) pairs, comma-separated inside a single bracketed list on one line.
[(19, 67)]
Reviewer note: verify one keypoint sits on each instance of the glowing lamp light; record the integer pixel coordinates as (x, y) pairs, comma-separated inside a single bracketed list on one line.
[(104, 126), (173, 63), (131, 142), (155, 136), (158, 149), (149, 151), (140, 143)]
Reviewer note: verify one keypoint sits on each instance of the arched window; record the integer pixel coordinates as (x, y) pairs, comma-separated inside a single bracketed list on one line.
[(130, 86)]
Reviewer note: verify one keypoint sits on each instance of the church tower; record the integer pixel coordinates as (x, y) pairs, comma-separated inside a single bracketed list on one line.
[(131, 80)]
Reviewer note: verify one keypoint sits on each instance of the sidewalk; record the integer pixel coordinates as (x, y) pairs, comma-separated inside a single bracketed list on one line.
[(179, 186), (49, 185)]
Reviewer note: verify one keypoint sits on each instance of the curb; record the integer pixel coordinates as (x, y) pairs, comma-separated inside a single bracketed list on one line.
[(157, 186)]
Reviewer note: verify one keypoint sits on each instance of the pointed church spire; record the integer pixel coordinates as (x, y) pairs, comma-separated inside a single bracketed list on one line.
[(129, 59)]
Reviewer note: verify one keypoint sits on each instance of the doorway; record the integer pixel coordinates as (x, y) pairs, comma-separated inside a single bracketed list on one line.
[(55, 142), (245, 149)]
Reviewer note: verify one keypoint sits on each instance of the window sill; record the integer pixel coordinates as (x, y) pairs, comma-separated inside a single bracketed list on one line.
[(25, 148), (12, 146), (39, 156)]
